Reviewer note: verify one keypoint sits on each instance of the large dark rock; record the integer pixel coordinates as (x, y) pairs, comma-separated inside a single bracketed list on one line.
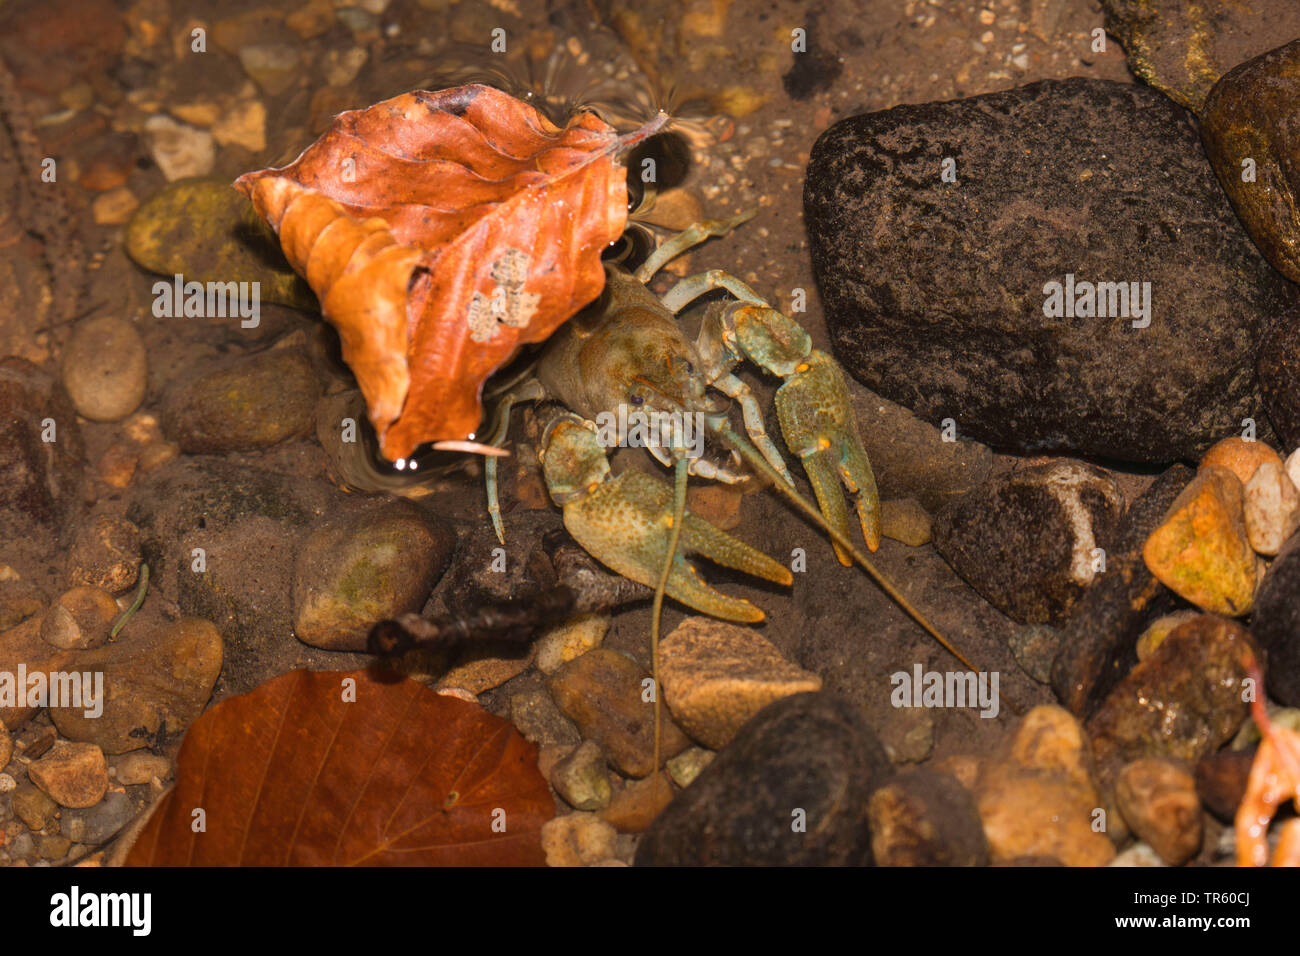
[(1276, 624), (1183, 48), (1099, 645), (1027, 540), (1252, 116), (790, 789), (1279, 377), (935, 291)]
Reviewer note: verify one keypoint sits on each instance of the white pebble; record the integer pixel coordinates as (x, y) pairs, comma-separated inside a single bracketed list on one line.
[(1272, 509), (1293, 467)]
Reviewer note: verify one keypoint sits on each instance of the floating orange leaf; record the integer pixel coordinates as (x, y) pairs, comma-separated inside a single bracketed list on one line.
[(1274, 779), (442, 231), (295, 774)]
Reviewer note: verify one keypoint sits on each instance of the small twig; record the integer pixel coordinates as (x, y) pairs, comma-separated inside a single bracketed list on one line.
[(516, 620), (135, 605), (583, 588)]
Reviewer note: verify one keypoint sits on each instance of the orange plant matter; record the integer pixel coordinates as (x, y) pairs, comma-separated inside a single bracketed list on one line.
[(296, 774), (1274, 779), (441, 232)]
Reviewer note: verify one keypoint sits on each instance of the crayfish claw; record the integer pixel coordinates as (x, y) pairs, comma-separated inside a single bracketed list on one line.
[(626, 524), (818, 425)]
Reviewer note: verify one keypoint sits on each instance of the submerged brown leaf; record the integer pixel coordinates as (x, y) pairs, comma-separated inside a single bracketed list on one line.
[(294, 774), (442, 231)]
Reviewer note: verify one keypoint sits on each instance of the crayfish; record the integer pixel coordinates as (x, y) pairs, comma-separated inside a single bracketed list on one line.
[(629, 352), (628, 355)]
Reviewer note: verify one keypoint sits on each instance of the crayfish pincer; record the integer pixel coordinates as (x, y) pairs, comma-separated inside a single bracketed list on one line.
[(627, 521)]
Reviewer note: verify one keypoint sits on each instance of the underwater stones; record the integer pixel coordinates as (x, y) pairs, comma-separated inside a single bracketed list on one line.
[(578, 839), (355, 570), (1276, 624), (581, 778), (1278, 368), (249, 403), (1035, 647), (809, 758), (481, 575), (105, 368), (33, 806), (923, 818), (134, 768), (688, 765), (81, 618), (1028, 540), (207, 232), (74, 775), (1161, 628), (6, 746), (1183, 48), (154, 681), (603, 692), (1037, 797), (716, 676), (1252, 136), (1158, 800), (939, 294), (22, 647), (1240, 457), (1097, 645), (636, 804), (562, 643), (1202, 551), (105, 554), (1221, 780), (100, 823), (1184, 701), (180, 150)]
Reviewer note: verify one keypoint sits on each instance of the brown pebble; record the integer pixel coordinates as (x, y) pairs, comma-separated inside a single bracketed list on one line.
[(603, 692), (635, 807), (1157, 797), (74, 775)]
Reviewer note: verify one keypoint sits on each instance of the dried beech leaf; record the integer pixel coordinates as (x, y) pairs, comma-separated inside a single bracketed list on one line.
[(442, 231), (292, 774)]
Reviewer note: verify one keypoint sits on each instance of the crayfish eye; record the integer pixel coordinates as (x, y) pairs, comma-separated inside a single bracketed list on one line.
[(637, 398)]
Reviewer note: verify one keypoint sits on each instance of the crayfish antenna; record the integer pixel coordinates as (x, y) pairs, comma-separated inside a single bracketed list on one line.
[(759, 464), (674, 538)]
